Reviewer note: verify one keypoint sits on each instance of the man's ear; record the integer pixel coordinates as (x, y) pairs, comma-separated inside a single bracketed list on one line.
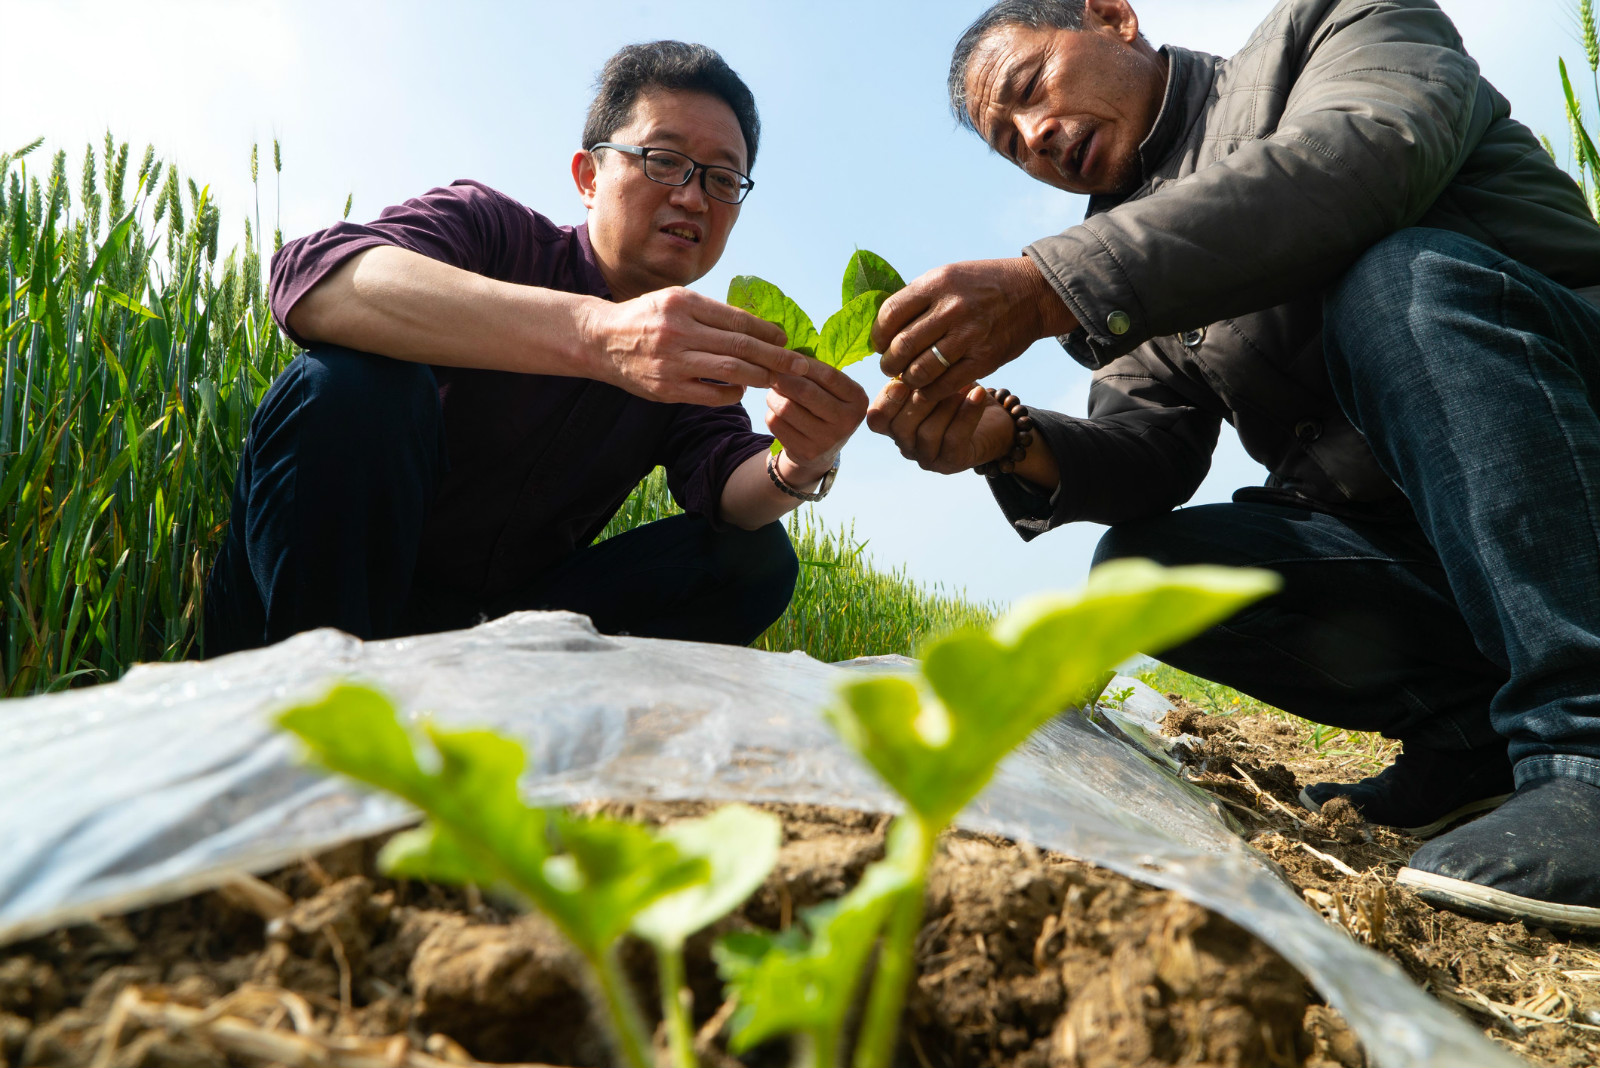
[(1115, 16), (584, 177)]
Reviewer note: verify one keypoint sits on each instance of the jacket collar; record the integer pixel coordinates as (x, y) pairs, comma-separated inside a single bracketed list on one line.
[(1189, 78)]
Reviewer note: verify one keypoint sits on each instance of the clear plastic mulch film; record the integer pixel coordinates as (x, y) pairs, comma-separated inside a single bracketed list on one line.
[(173, 779)]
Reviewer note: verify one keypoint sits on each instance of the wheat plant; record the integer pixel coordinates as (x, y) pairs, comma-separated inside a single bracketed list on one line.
[(1585, 155), (133, 361)]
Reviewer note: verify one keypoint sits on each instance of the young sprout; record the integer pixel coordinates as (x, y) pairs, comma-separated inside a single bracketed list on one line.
[(847, 335), (593, 877), (740, 845), (803, 981), (937, 740)]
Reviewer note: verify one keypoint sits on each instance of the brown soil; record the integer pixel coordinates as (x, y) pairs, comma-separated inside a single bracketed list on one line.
[(1530, 989), (1026, 958)]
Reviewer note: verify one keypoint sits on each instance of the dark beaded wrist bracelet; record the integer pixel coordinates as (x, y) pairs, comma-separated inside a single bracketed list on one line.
[(1022, 423)]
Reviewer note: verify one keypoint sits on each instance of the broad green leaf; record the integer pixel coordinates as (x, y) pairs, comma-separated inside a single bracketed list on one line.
[(611, 872), (739, 844), (867, 271), (479, 829), (766, 301), (804, 979), (937, 741), (847, 335)]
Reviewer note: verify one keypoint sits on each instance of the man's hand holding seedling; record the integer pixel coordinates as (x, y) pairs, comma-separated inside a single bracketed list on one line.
[(980, 315), (679, 346), (957, 433), (813, 416)]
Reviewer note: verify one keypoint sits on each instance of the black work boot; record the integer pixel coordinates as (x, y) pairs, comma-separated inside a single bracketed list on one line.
[(1536, 859), (1424, 790)]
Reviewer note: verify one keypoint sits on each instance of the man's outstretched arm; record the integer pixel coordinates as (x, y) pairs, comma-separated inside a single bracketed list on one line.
[(409, 306)]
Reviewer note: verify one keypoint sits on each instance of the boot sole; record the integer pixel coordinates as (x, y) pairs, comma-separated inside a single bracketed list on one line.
[(1428, 830), (1462, 896)]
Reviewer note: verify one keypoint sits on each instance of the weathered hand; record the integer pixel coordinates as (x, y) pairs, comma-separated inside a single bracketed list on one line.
[(680, 346), (813, 417), (954, 434), (982, 314)]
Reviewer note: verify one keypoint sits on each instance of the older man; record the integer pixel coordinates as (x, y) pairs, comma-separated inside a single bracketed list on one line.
[(483, 388), (1339, 242)]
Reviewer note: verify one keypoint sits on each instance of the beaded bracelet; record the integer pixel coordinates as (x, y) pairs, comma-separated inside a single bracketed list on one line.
[(1022, 423)]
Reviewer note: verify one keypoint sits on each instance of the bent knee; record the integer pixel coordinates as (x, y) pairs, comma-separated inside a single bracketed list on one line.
[(359, 391)]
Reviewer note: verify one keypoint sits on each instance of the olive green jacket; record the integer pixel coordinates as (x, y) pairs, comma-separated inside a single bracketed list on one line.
[(1265, 176)]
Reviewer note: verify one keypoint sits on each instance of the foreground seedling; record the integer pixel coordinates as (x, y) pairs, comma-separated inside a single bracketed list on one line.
[(593, 877), (937, 740), (847, 335)]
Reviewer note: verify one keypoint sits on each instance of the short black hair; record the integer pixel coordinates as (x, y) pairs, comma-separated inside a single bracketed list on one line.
[(1032, 14), (674, 66)]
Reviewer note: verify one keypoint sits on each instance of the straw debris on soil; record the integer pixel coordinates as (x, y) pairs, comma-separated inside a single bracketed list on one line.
[(1532, 990)]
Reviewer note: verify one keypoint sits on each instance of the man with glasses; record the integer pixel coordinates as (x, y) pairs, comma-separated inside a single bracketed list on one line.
[(483, 388)]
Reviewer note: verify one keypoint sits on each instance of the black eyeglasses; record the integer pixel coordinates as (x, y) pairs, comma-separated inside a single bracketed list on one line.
[(674, 168)]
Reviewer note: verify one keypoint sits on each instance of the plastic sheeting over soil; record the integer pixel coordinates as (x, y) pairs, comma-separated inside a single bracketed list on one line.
[(168, 781)]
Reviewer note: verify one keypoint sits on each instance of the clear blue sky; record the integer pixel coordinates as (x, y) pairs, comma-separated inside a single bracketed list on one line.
[(385, 99)]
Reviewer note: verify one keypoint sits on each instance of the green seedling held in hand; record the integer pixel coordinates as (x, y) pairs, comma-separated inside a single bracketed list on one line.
[(803, 981), (847, 335), (938, 740), (593, 877), (740, 845)]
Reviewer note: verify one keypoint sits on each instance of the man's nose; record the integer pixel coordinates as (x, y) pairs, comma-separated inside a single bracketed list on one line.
[(1037, 130), (690, 196)]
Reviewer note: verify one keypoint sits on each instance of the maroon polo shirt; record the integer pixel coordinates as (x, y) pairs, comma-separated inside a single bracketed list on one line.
[(536, 463)]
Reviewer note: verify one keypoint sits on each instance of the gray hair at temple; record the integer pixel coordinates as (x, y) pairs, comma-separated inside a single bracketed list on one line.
[(1032, 14), (674, 66)]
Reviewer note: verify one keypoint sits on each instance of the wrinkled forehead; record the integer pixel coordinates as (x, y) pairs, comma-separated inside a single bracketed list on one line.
[(995, 72)]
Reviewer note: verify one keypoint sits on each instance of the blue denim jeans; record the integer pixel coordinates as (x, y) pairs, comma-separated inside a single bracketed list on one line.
[(1475, 380)]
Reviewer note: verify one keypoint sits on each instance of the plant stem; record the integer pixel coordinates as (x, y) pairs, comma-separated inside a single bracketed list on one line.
[(625, 1021), (820, 1049), (880, 1028), (675, 1006)]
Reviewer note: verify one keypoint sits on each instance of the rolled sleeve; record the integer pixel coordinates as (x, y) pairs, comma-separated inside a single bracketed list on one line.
[(701, 449), (465, 224)]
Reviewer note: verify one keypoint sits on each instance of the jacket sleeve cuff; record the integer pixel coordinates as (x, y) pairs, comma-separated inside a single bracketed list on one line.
[(1030, 509), (1086, 276)]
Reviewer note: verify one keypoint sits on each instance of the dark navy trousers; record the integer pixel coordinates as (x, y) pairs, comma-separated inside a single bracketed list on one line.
[(1476, 381), (336, 481)]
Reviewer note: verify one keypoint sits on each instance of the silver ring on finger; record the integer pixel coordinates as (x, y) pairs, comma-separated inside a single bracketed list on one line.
[(939, 356)]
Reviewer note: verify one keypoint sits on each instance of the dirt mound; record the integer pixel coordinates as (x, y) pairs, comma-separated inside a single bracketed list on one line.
[(1026, 958)]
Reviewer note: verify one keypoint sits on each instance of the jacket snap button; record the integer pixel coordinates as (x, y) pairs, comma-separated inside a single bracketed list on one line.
[(1308, 430), (1118, 322), (1191, 338)]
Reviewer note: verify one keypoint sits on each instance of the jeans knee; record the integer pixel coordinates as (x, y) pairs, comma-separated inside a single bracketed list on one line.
[(763, 560), (1397, 287), (366, 398)]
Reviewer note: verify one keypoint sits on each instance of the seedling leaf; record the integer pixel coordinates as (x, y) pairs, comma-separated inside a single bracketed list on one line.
[(479, 829), (985, 693), (804, 979), (766, 301), (847, 335), (867, 271), (739, 844)]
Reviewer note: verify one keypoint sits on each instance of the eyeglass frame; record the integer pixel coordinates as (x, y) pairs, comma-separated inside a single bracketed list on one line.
[(643, 153)]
